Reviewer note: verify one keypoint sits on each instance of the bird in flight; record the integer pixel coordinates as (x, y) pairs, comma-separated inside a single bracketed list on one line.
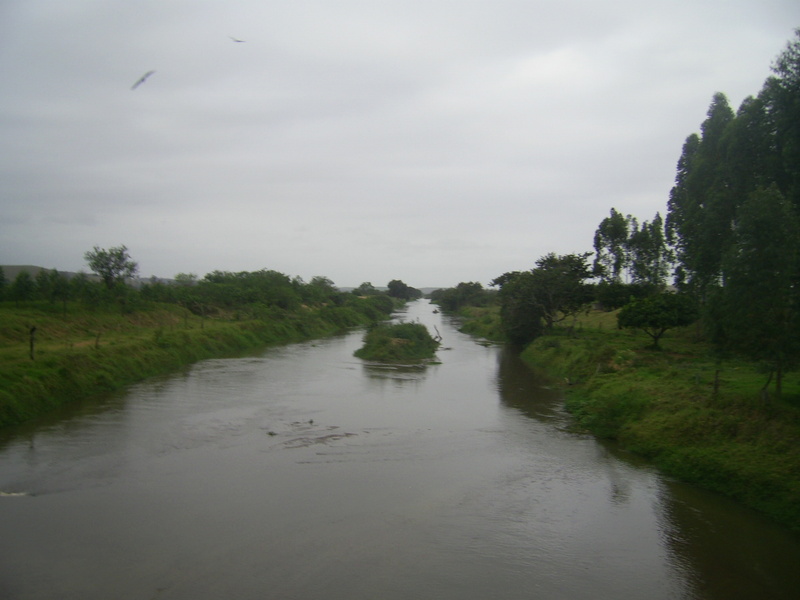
[(142, 79), (236, 40)]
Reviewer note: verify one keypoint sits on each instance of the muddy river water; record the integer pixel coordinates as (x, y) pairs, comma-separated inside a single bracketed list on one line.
[(303, 473)]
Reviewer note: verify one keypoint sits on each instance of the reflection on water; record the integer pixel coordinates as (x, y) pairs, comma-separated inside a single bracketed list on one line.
[(304, 472), (716, 549)]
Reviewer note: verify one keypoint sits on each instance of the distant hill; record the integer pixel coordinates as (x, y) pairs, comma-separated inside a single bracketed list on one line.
[(11, 271)]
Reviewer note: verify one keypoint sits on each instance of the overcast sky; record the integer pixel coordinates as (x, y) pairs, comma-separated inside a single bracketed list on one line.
[(430, 141)]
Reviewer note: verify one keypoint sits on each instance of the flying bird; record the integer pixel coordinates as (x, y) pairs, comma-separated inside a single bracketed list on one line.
[(142, 79), (236, 40)]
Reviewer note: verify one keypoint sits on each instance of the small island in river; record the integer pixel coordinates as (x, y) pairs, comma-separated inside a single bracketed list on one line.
[(398, 342)]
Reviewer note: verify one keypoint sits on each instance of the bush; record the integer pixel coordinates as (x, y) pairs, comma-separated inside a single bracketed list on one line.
[(398, 342)]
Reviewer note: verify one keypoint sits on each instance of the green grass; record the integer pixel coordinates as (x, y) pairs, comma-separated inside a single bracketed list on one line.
[(698, 419), (87, 352), (482, 322), (398, 342)]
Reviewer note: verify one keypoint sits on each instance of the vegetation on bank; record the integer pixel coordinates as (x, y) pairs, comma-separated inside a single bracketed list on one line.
[(710, 398), (697, 417), (398, 342), (84, 352), (63, 339)]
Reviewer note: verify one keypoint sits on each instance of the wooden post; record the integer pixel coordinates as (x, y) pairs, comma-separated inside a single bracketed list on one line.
[(33, 341)]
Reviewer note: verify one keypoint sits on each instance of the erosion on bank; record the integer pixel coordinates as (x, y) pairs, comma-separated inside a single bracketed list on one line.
[(84, 353), (699, 420), (398, 342)]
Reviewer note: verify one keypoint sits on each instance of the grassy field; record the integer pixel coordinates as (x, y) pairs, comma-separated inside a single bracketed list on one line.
[(80, 352), (698, 418)]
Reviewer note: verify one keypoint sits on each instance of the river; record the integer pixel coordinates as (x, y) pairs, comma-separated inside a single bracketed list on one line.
[(304, 473)]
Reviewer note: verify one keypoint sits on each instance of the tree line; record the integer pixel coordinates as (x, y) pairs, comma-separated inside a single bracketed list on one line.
[(258, 294), (729, 242)]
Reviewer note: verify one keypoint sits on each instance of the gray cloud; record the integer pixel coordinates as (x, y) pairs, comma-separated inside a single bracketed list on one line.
[(435, 142)]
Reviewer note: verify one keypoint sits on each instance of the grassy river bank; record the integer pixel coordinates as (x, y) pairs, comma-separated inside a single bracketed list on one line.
[(78, 353), (698, 419)]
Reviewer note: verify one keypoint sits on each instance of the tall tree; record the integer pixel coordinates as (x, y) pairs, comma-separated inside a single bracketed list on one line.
[(782, 94), (758, 314), (682, 209), (649, 257), (701, 209), (610, 246)]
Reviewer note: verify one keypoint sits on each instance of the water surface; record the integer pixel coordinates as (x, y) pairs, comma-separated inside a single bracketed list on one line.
[(304, 472)]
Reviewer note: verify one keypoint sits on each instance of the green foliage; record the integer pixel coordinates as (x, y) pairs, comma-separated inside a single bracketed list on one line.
[(610, 241), (531, 302), (398, 342), (521, 314), (94, 349), (615, 294), (464, 294), (113, 266), (398, 289), (658, 313), (482, 322), (757, 313), (692, 416), (23, 288), (649, 257), (366, 289)]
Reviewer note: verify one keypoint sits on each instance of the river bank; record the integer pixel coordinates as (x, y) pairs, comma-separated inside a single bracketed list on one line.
[(697, 418), (50, 357)]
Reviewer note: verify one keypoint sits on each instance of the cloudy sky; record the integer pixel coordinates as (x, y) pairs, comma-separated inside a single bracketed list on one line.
[(425, 140)]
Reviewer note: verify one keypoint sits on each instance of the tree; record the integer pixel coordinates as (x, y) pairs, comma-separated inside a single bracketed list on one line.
[(464, 294), (366, 289), (23, 288), (649, 258), (531, 302), (521, 313), (658, 313), (185, 279), (398, 289), (3, 284), (782, 96), (701, 207), (560, 284), (113, 266), (758, 309), (610, 246), (320, 290)]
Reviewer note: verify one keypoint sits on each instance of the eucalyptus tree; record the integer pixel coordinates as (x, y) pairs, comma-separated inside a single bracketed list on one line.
[(701, 209), (649, 257), (782, 92), (758, 309), (610, 246)]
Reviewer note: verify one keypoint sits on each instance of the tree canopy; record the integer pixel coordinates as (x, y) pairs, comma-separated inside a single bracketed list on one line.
[(113, 266), (658, 313)]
